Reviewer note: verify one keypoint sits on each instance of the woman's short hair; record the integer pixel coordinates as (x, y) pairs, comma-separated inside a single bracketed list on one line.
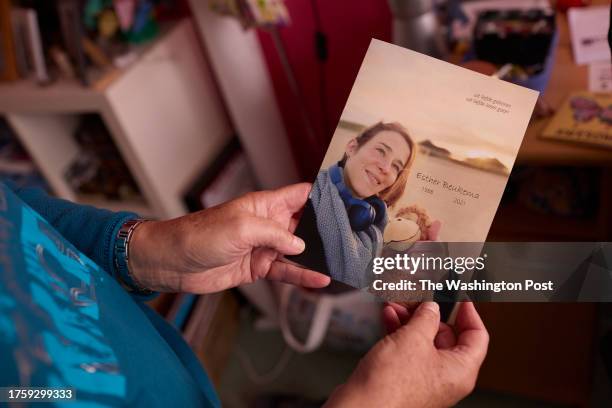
[(393, 193)]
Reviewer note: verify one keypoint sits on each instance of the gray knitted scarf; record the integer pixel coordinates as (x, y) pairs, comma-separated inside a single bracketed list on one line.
[(348, 253)]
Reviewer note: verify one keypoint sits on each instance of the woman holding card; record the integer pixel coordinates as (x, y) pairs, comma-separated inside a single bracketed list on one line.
[(346, 213)]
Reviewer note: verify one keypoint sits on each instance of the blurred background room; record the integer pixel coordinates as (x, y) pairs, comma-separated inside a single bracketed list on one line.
[(164, 107)]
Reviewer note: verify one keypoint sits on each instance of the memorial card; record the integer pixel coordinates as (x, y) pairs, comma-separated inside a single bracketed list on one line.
[(422, 152)]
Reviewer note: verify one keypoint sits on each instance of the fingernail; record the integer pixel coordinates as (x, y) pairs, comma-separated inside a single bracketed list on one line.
[(298, 243), (433, 306)]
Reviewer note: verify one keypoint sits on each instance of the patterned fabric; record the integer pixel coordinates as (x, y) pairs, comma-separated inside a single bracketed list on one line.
[(92, 230), (65, 322)]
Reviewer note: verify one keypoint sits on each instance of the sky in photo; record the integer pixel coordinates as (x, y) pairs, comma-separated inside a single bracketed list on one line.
[(429, 97)]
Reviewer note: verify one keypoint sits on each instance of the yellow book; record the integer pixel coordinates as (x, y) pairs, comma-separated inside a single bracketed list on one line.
[(585, 117)]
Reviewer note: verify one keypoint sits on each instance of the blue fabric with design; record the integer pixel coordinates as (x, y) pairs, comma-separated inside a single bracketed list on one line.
[(65, 322)]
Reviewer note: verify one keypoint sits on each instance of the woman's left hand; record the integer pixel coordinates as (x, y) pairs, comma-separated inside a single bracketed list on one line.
[(225, 246)]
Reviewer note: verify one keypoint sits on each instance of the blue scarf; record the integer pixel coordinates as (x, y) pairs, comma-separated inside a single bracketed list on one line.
[(348, 253)]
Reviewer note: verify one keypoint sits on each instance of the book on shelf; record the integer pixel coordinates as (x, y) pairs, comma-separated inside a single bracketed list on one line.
[(72, 34), (584, 117), (8, 59), (35, 47), (26, 43), (20, 38)]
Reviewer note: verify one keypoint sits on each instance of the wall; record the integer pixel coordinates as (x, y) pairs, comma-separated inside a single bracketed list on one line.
[(349, 26)]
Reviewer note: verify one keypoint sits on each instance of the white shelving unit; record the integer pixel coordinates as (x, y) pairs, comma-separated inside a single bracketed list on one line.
[(164, 113), (240, 69)]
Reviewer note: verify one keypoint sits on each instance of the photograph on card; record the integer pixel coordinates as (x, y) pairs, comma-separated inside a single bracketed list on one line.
[(422, 152)]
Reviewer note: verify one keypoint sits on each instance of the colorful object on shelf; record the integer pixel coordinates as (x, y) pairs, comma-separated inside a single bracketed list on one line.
[(145, 27), (520, 37), (584, 109), (125, 12), (226, 7), (142, 16), (92, 9), (136, 19), (585, 117), (524, 38), (254, 13), (268, 12), (108, 24)]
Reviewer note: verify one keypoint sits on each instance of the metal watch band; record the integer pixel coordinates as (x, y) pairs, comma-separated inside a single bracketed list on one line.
[(122, 255)]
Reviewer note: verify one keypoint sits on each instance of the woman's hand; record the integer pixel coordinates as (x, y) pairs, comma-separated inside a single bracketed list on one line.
[(420, 363), (225, 246)]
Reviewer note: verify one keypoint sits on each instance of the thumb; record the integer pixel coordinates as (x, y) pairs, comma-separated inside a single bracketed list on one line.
[(425, 319), (261, 232), (293, 196)]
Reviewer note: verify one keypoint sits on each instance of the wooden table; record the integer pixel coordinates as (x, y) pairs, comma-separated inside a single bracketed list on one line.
[(545, 351)]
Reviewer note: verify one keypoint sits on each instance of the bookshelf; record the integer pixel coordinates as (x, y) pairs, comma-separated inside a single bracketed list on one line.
[(168, 122), (163, 112)]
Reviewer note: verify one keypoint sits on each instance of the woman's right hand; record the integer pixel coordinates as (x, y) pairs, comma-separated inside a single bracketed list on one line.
[(421, 363), (225, 246)]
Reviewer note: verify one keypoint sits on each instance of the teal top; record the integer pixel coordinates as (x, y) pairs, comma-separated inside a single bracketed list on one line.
[(66, 322)]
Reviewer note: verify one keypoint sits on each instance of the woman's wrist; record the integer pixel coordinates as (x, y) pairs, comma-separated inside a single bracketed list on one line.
[(143, 256), (122, 255), (350, 395)]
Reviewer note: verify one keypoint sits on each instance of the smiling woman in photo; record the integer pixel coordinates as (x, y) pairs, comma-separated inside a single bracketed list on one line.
[(346, 213)]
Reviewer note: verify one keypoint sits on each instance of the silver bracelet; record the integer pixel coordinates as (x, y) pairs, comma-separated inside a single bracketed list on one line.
[(122, 256)]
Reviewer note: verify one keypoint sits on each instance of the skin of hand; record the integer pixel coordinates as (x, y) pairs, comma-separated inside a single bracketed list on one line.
[(225, 246), (420, 363)]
